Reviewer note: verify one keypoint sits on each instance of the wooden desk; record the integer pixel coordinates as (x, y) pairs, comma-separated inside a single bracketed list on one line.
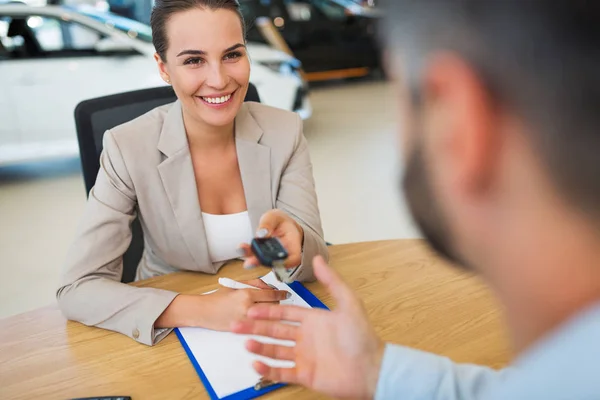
[(412, 298)]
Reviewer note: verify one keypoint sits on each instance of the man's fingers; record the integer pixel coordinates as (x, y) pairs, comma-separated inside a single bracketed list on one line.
[(269, 296), (284, 375), (278, 313), (276, 352), (332, 281), (275, 330)]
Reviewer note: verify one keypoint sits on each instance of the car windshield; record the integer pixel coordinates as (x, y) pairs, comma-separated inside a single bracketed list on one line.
[(134, 29)]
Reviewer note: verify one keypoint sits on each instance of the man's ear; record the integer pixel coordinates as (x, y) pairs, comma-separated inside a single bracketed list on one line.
[(162, 68), (460, 121)]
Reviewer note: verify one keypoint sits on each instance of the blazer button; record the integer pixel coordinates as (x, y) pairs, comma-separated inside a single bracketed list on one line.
[(136, 333)]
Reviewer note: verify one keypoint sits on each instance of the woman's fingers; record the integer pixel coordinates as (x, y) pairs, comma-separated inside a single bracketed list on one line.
[(258, 283), (251, 262), (270, 222), (269, 296)]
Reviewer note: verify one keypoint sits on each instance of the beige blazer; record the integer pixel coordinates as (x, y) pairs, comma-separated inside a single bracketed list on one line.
[(146, 170)]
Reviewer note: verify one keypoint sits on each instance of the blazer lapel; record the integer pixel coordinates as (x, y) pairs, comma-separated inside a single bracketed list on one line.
[(254, 160), (179, 181)]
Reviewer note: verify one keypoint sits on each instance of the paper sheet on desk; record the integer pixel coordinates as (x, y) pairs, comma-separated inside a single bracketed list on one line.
[(222, 355)]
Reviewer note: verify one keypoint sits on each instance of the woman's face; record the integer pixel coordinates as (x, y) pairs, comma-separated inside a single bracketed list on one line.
[(207, 64)]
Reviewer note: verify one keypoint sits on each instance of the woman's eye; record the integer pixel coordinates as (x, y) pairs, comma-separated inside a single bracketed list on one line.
[(193, 61), (233, 55)]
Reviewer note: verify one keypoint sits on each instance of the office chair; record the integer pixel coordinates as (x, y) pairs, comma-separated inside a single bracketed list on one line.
[(94, 117)]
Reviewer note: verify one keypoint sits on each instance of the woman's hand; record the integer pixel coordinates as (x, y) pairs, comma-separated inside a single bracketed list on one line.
[(276, 223), (217, 310)]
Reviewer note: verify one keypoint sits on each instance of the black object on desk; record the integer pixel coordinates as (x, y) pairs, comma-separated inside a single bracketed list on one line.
[(105, 398)]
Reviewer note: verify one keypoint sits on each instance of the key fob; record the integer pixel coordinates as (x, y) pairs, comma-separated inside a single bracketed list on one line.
[(271, 253)]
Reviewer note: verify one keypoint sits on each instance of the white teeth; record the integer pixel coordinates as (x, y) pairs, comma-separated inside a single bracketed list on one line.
[(217, 100)]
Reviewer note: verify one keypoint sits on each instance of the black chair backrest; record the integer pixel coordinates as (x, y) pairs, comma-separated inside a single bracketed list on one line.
[(94, 117)]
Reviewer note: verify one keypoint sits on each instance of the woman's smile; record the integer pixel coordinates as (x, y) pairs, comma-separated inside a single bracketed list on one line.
[(218, 100)]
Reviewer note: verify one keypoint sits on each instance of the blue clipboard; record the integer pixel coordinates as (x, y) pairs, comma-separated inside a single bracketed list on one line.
[(249, 393)]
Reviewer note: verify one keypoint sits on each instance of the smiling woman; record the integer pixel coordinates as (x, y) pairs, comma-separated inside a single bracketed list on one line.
[(202, 53), (202, 174)]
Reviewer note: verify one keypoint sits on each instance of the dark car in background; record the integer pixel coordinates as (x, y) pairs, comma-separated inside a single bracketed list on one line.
[(332, 38)]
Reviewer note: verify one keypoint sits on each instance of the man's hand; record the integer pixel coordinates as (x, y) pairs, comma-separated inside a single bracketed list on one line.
[(337, 352)]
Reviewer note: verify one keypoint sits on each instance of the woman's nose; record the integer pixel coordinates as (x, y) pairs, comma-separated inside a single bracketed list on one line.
[(217, 78)]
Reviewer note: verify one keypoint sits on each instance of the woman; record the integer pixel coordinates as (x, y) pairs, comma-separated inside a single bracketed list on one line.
[(202, 175)]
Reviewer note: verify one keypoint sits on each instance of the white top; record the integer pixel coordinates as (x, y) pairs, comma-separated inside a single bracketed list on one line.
[(224, 234)]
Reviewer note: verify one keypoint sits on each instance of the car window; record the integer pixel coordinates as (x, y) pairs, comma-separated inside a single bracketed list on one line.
[(330, 9), (4, 21), (134, 29), (57, 35), (310, 10), (41, 36), (47, 32), (252, 9), (6, 43), (299, 10)]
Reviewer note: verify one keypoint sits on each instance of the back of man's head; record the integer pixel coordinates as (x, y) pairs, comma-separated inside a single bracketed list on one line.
[(500, 102), (540, 58)]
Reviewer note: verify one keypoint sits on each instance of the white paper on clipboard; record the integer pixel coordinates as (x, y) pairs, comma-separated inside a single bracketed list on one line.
[(222, 356)]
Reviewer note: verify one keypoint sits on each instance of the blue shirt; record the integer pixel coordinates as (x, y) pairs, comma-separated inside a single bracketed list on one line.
[(565, 365)]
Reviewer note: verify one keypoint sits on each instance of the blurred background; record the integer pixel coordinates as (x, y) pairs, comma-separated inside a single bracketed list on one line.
[(318, 58)]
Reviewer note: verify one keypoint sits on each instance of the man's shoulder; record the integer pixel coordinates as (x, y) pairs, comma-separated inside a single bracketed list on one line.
[(562, 366)]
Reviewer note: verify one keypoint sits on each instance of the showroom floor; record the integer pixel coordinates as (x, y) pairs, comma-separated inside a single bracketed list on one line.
[(353, 148)]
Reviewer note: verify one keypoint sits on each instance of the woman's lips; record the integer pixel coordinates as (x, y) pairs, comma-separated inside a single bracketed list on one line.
[(217, 101)]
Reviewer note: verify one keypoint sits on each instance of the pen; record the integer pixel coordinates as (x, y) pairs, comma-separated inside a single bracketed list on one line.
[(231, 284)]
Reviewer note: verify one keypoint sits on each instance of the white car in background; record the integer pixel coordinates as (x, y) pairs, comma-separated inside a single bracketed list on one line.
[(52, 58)]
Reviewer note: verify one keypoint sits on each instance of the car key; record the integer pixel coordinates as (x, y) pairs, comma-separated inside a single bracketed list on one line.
[(271, 253)]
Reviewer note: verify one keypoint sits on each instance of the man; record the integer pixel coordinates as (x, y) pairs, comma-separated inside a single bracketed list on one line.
[(500, 104)]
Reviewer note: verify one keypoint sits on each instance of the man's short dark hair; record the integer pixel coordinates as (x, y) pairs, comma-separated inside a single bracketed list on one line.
[(539, 58)]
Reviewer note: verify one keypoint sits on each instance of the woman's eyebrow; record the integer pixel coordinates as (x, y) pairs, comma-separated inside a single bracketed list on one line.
[(235, 46), (203, 53), (192, 52)]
